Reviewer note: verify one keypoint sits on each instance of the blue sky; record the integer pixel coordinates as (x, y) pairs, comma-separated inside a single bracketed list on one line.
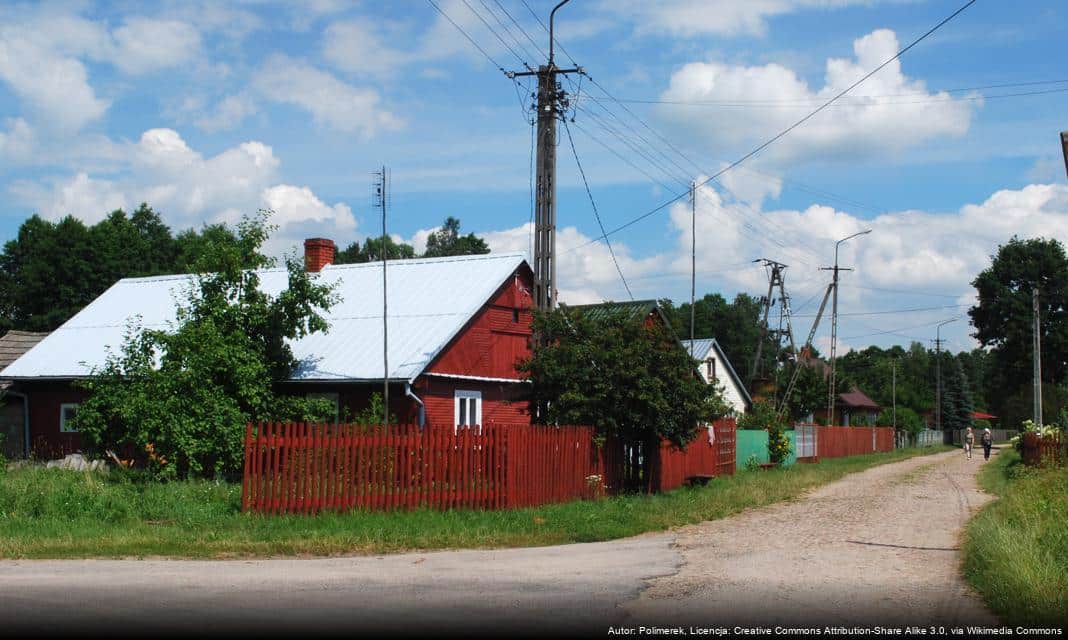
[(211, 110)]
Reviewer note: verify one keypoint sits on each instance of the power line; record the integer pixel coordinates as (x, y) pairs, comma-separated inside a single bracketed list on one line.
[(905, 291), (495, 34), (891, 311), (787, 130), (856, 103), (468, 36), (593, 204)]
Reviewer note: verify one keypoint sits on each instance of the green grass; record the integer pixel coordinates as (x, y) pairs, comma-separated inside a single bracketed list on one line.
[(1016, 548), (49, 513)]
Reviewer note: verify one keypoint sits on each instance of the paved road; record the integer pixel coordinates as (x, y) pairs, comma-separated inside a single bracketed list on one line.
[(879, 546)]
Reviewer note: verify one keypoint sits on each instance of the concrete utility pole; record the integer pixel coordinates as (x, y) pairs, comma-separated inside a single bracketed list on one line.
[(938, 372), (693, 259), (1037, 358), (551, 104), (893, 390), (381, 198), (834, 322), (1064, 148)]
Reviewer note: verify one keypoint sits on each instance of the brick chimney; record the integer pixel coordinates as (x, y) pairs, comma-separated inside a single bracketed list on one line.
[(318, 252)]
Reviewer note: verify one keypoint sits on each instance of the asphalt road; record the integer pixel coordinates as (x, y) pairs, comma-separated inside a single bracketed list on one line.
[(878, 546)]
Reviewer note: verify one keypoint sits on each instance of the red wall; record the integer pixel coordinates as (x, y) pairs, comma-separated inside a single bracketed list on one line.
[(502, 402), (46, 441), (496, 338)]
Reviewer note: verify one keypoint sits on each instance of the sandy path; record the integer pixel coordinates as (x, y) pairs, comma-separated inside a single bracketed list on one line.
[(877, 547)]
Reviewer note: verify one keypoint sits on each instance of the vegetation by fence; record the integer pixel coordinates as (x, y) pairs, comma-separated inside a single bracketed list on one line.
[(1037, 450), (307, 468)]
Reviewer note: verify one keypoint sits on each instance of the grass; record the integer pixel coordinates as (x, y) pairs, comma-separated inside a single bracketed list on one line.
[(50, 513), (1016, 548)]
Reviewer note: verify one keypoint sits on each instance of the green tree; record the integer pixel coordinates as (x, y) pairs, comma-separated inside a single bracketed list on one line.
[(447, 241), (734, 325), (184, 395), (624, 378), (1003, 319), (957, 406), (907, 420), (371, 251), (51, 270), (809, 393)]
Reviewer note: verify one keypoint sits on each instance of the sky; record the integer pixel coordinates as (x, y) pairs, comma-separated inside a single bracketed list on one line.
[(209, 111)]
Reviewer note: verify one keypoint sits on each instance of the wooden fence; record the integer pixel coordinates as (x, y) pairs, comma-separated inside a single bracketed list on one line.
[(711, 453), (1038, 451), (307, 468), (838, 442)]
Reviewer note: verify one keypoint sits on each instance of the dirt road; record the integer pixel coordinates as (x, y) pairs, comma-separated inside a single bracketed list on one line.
[(878, 546)]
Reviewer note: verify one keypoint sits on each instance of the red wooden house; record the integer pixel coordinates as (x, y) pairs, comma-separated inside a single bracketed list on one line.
[(456, 327)]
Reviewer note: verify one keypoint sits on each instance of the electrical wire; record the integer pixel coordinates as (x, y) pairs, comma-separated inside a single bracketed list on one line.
[(793, 126), (596, 213), (495, 34), (468, 36)]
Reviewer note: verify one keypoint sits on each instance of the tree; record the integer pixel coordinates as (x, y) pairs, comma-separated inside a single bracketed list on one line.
[(183, 396), (907, 420), (447, 241), (1003, 319), (626, 379), (957, 406), (372, 251), (734, 325), (53, 269), (809, 393)]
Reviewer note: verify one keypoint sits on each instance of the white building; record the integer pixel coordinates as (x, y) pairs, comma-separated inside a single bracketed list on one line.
[(716, 369)]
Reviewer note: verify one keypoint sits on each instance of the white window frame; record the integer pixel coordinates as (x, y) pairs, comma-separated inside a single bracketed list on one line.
[(467, 399), (63, 428), (328, 395)]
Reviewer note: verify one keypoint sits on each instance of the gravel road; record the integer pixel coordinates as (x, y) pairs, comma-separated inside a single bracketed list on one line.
[(878, 546)]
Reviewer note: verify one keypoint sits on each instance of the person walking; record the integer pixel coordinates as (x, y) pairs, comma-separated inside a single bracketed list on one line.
[(988, 442), (969, 440)]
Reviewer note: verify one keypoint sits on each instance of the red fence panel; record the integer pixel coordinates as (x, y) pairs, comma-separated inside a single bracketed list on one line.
[(838, 442), (1037, 451)]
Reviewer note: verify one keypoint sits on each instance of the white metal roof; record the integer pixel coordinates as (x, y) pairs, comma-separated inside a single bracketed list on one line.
[(701, 347), (430, 300)]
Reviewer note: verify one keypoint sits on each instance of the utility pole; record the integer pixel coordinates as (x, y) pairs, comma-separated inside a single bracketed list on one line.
[(1037, 358), (893, 390), (938, 372), (834, 322), (381, 198), (552, 103), (693, 259), (776, 279)]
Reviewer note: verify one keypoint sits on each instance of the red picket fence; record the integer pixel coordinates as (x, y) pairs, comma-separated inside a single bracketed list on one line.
[(704, 456), (1037, 451), (307, 468), (838, 442)]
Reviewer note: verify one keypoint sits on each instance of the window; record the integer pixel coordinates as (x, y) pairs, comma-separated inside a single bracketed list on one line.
[(711, 364), (67, 411), (515, 316), (330, 397), (468, 408)]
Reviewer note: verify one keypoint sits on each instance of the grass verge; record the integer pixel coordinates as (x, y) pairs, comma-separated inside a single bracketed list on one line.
[(49, 513), (1016, 548)]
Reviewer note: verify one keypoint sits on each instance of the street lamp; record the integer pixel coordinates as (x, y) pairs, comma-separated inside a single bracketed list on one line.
[(938, 368), (834, 324), (1064, 148)]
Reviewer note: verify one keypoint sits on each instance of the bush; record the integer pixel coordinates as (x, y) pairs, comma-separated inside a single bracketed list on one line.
[(764, 417)]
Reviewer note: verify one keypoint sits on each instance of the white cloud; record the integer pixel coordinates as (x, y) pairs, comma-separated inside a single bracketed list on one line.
[(716, 17), (329, 100), (357, 47), (142, 45), (227, 114), (190, 189), (17, 141), (775, 97), (56, 87)]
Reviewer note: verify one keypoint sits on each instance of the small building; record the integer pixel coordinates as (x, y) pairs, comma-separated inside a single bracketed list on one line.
[(855, 409), (716, 369), (647, 311), (14, 412), (457, 326)]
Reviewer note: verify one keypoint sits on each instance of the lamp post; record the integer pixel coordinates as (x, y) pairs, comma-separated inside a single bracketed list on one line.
[(938, 369), (834, 323)]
